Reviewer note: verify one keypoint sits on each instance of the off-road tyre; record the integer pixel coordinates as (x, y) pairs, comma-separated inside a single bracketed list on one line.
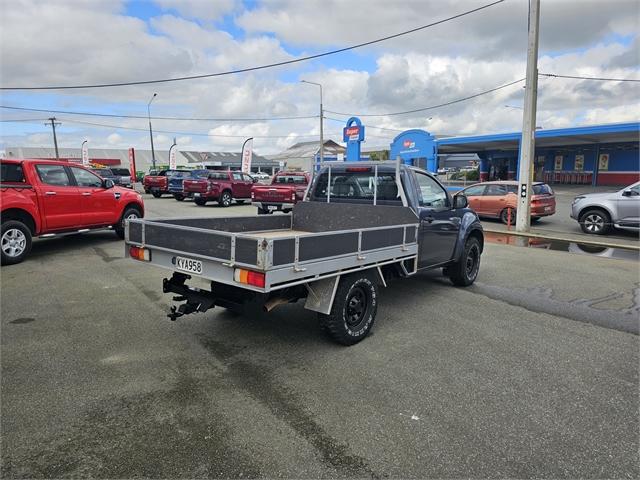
[(16, 242), (201, 202), (156, 193), (354, 309), (178, 197), (464, 272)]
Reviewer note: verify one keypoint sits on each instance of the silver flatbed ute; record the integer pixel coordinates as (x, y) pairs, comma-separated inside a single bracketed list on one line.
[(316, 241), (360, 225)]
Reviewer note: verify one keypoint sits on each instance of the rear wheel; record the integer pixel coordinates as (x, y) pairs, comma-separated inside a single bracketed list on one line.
[(225, 199), (239, 202), (353, 311), (506, 218), (178, 197), (200, 201), (15, 242), (595, 222), (156, 193), (130, 213), (465, 271)]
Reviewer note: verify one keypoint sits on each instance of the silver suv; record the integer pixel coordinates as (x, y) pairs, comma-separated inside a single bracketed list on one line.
[(597, 213)]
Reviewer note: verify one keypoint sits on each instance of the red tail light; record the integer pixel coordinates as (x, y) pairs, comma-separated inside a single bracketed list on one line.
[(140, 253)]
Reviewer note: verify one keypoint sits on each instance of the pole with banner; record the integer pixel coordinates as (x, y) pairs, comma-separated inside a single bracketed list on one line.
[(132, 164), (85, 153), (247, 155), (172, 156)]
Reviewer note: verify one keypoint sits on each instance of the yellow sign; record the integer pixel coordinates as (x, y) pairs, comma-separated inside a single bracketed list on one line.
[(603, 161), (579, 165)]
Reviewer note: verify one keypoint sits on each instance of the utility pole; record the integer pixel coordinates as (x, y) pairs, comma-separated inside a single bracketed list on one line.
[(528, 144), (321, 121), (53, 124)]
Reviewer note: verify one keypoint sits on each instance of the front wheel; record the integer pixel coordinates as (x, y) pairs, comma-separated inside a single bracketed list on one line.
[(200, 201), (465, 271), (156, 193), (16, 242), (130, 213), (178, 197), (225, 199), (508, 216), (595, 222), (353, 311)]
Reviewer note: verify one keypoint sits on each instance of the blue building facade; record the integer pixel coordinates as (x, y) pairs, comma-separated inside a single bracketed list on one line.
[(415, 147)]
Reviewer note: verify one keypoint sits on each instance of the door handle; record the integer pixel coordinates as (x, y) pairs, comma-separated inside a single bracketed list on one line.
[(86, 194), (50, 193)]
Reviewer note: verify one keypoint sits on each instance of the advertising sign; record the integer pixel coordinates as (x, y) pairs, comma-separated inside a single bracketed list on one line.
[(173, 164), (579, 165), (603, 161), (132, 164), (247, 155), (353, 133), (558, 163), (85, 154)]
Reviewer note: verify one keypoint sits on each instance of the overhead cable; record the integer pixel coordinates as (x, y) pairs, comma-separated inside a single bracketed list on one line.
[(260, 67)]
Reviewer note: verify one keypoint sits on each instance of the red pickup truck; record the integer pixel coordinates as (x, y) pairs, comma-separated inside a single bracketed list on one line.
[(158, 184), (48, 198), (285, 190), (220, 186)]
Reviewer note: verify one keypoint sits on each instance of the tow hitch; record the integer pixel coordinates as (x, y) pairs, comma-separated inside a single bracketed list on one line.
[(196, 300)]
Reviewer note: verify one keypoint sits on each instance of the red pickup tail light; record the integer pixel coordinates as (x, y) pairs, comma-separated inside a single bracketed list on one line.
[(253, 195), (140, 253), (249, 277), (293, 196)]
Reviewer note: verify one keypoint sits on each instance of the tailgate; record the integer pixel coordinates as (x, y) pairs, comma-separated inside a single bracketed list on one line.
[(194, 186), (273, 194)]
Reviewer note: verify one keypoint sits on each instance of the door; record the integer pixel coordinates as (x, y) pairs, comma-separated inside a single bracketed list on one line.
[(629, 207), (241, 185), (99, 204), (439, 223), (495, 199), (59, 198), (475, 196)]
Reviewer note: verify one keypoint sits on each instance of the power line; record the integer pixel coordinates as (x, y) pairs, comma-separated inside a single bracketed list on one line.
[(200, 134), (15, 120), (145, 117), (430, 107), (601, 79), (261, 67)]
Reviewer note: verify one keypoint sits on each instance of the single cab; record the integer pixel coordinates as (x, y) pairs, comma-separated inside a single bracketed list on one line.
[(219, 186), (285, 190), (48, 198)]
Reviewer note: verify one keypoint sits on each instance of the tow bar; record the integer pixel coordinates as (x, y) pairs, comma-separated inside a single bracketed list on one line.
[(196, 300)]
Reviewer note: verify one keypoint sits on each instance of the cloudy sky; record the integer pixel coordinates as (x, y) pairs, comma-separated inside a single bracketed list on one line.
[(71, 42)]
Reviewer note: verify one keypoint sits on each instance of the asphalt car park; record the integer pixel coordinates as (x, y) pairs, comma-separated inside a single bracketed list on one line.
[(530, 372)]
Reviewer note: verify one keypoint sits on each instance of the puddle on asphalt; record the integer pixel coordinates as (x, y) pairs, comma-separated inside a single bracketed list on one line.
[(562, 246)]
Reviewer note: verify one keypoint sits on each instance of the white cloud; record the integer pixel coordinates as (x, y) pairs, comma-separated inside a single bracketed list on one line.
[(202, 9), (114, 139)]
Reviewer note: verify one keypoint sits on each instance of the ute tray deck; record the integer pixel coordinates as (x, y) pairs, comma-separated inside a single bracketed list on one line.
[(317, 240)]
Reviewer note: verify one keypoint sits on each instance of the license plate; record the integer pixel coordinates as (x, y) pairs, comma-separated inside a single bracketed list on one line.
[(188, 265), (271, 207), (196, 195)]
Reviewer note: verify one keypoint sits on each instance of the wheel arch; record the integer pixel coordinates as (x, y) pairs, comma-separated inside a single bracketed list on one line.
[(135, 205), (22, 216), (597, 206)]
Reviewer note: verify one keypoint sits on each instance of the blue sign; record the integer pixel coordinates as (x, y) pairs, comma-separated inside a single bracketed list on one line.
[(353, 134), (415, 147)]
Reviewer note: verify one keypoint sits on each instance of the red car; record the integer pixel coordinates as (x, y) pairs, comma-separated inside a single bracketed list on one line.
[(497, 199), (220, 186), (48, 198), (158, 184), (285, 190)]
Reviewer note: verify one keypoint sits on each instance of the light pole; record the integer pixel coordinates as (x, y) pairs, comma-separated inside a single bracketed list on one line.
[(321, 121), (153, 153)]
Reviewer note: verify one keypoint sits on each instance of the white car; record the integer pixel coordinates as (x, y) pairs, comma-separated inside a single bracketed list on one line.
[(598, 212)]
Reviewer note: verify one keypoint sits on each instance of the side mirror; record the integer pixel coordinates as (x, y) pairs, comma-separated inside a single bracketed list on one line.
[(255, 180), (629, 193), (107, 183), (460, 201)]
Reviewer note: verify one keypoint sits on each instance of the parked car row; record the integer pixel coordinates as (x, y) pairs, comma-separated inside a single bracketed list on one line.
[(226, 187)]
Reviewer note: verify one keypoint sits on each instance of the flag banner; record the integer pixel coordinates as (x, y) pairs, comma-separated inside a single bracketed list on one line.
[(85, 154), (247, 156)]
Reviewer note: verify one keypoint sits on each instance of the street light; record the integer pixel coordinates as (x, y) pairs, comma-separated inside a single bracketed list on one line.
[(153, 153), (321, 121)]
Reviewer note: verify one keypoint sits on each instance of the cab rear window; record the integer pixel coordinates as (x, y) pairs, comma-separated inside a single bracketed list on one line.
[(291, 179), (11, 172), (542, 189), (357, 186)]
